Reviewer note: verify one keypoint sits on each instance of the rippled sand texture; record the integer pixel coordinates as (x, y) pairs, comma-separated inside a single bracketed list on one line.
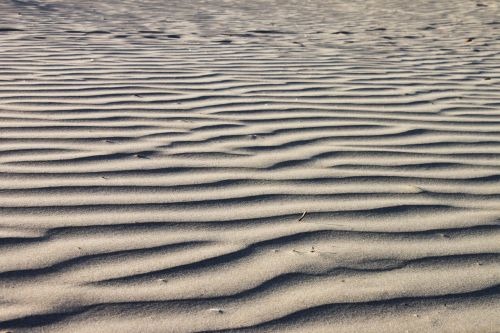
[(302, 166)]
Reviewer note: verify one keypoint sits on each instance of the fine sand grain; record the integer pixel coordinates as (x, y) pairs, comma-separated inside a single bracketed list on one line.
[(255, 166)]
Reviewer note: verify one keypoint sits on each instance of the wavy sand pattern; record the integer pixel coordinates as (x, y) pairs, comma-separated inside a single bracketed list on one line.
[(302, 166)]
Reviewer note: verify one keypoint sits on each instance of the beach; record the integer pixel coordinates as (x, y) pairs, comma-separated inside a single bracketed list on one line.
[(249, 166)]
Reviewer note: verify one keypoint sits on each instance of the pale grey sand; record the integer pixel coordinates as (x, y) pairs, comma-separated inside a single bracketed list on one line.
[(302, 166)]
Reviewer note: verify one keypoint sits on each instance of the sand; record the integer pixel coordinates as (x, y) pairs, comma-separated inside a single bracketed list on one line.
[(254, 166)]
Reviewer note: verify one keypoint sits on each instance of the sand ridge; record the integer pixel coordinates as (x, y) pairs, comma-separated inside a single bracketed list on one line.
[(213, 166)]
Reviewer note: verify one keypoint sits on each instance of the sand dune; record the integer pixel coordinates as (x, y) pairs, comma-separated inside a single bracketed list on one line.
[(254, 166)]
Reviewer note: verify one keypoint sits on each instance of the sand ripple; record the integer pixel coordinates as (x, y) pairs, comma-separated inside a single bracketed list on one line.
[(188, 166)]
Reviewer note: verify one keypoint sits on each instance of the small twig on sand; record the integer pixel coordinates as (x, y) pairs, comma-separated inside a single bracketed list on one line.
[(418, 189), (302, 216)]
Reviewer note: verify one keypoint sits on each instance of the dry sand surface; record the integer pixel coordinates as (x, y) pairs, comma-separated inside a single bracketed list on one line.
[(254, 166)]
